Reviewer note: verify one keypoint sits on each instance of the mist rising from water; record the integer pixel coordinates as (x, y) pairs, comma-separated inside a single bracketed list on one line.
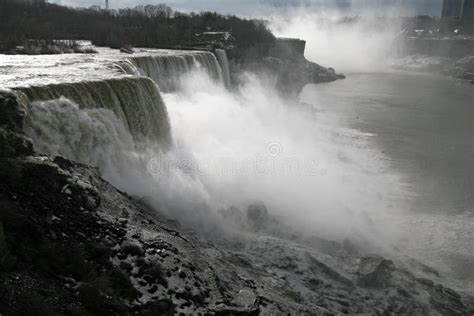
[(233, 149), (305, 165), (349, 44)]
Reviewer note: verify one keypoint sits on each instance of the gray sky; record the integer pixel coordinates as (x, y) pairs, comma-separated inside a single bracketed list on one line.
[(262, 7)]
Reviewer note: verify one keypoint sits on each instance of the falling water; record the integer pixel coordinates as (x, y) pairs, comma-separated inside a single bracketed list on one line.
[(168, 70), (137, 102), (224, 62)]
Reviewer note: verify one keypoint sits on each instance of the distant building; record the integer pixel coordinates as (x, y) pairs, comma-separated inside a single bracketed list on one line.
[(458, 9), (468, 12), (452, 8)]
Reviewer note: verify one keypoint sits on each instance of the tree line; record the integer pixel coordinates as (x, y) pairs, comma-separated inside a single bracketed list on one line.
[(142, 26)]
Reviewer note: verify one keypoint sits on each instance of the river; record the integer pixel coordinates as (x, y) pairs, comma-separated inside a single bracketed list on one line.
[(424, 125)]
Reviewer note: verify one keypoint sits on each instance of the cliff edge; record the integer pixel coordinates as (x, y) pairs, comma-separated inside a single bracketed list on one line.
[(287, 63)]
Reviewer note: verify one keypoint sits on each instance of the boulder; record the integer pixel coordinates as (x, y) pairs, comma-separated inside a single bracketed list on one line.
[(14, 144), (12, 113), (374, 272), (245, 298)]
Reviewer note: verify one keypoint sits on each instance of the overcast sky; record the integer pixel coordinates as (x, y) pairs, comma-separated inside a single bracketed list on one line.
[(262, 7)]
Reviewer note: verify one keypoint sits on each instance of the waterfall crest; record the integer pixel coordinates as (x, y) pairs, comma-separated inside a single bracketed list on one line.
[(137, 102), (167, 70)]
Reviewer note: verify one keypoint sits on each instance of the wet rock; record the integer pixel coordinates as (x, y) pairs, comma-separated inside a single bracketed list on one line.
[(12, 112), (132, 249), (287, 263), (7, 260), (127, 267), (293, 74), (403, 292), (314, 284), (153, 289), (320, 267), (161, 307), (63, 162), (452, 293), (245, 298), (425, 282), (123, 221), (154, 274), (324, 245), (14, 144), (374, 272)]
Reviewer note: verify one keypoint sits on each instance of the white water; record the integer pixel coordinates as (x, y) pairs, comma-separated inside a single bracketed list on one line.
[(136, 102), (224, 63), (93, 136), (252, 145), (167, 70)]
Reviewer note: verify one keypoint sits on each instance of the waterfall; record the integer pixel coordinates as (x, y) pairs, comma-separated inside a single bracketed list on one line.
[(224, 63), (167, 70), (88, 135), (136, 102)]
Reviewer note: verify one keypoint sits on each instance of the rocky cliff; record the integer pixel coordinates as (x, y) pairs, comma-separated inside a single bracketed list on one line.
[(72, 244), (286, 61)]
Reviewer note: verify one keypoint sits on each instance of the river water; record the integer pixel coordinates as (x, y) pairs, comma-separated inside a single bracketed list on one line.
[(424, 126)]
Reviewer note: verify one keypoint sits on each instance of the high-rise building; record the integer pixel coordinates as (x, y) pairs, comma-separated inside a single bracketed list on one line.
[(452, 8), (468, 10), (458, 9)]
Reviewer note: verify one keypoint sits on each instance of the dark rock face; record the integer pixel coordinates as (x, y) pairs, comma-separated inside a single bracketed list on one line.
[(293, 70), (285, 61), (374, 272), (288, 48), (12, 140), (13, 144), (12, 113), (293, 74)]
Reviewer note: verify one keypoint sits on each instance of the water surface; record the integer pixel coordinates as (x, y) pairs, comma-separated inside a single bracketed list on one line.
[(425, 126)]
